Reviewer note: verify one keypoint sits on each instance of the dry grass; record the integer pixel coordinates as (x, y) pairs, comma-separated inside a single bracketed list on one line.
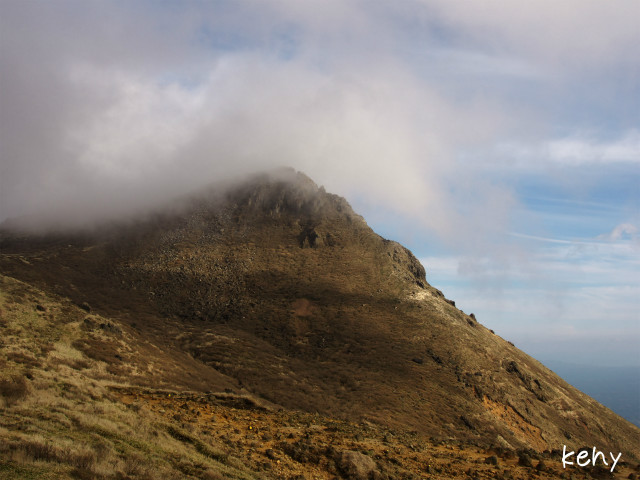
[(64, 422), (24, 359), (66, 419)]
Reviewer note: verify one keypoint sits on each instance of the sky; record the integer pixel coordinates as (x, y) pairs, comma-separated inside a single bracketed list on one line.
[(498, 140)]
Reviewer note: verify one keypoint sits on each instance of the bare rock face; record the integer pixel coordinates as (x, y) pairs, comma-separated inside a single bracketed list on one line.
[(280, 286), (406, 265)]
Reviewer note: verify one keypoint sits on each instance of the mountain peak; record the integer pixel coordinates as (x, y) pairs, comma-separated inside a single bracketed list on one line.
[(285, 191), (278, 286)]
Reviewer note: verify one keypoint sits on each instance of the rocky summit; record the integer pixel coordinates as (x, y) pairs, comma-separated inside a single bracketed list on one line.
[(263, 330)]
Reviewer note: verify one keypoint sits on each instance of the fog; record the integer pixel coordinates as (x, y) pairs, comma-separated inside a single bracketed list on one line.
[(110, 107), (85, 139)]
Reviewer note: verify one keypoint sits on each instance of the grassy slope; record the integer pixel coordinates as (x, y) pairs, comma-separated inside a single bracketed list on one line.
[(66, 414), (60, 418)]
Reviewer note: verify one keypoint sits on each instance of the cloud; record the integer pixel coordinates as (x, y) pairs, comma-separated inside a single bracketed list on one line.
[(396, 106), (578, 150), (576, 34), (622, 231), (573, 151), (104, 132)]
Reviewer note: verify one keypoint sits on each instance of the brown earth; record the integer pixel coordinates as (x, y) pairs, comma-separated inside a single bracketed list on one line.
[(296, 444)]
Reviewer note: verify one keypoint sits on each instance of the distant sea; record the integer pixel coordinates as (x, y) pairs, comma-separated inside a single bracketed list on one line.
[(617, 388)]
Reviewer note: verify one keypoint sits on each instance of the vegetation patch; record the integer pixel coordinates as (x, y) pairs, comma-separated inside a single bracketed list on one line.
[(13, 389)]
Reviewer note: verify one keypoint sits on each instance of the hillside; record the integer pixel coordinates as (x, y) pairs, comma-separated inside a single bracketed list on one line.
[(274, 297)]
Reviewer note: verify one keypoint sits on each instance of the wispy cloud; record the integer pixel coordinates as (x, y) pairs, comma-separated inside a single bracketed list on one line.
[(621, 231), (577, 34), (575, 150), (585, 291)]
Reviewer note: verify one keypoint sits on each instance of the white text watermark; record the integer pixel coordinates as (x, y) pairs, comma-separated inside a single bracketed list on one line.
[(583, 458)]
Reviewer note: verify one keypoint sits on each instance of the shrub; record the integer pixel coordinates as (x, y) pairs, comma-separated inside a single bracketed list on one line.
[(83, 460), (20, 357), (133, 465), (44, 451), (13, 389)]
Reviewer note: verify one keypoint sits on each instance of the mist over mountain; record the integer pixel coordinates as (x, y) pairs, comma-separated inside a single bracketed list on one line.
[(511, 155)]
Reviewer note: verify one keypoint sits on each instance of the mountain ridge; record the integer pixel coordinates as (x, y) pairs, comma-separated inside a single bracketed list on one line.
[(286, 293)]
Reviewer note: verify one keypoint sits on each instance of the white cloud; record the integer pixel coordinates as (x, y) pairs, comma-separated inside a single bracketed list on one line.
[(575, 150), (566, 35), (344, 106), (370, 130), (140, 131), (621, 231)]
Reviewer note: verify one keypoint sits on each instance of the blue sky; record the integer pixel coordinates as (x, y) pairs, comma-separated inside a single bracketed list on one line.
[(499, 140)]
